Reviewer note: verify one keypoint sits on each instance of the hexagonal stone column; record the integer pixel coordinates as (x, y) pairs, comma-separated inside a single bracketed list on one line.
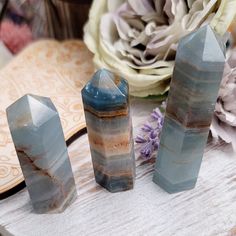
[(193, 92), (40, 146), (106, 106)]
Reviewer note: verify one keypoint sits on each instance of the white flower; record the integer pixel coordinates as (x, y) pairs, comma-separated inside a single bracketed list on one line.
[(138, 38), (224, 120)]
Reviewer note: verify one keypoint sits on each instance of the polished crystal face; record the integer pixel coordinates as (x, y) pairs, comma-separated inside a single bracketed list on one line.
[(193, 92), (105, 91), (106, 105), (202, 47), (40, 146)]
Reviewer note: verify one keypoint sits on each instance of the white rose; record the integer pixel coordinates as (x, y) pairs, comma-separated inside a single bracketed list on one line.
[(138, 38), (224, 119)]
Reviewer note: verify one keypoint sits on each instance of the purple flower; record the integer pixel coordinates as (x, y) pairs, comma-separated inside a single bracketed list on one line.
[(140, 139), (148, 141), (147, 127), (156, 114)]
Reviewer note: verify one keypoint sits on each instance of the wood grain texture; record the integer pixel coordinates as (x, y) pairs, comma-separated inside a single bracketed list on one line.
[(46, 68), (207, 210), (66, 18)]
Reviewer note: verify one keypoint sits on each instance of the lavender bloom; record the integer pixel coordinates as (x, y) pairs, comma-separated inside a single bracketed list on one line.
[(147, 127), (149, 141), (140, 139)]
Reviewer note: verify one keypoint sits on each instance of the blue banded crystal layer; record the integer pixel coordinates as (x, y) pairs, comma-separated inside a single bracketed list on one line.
[(107, 113), (193, 92), (40, 146)]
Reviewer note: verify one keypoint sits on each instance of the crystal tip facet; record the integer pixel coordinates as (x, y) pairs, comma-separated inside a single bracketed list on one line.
[(104, 81), (197, 43), (105, 89), (30, 110)]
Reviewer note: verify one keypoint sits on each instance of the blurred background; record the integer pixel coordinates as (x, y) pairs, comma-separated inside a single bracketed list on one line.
[(22, 21)]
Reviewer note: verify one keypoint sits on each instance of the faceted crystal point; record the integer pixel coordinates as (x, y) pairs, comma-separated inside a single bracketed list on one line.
[(106, 106), (193, 92), (40, 146)]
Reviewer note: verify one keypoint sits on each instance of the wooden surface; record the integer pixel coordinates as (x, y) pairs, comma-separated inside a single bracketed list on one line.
[(66, 18), (5, 55), (207, 210), (46, 68)]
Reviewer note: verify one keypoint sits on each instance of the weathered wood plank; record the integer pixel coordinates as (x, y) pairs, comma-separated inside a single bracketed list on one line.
[(209, 209)]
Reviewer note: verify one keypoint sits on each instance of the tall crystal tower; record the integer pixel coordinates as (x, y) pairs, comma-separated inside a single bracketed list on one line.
[(107, 113), (40, 146), (193, 92)]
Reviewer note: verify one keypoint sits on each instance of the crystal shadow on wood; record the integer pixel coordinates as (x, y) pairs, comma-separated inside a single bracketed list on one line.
[(107, 113), (193, 92), (41, 149)]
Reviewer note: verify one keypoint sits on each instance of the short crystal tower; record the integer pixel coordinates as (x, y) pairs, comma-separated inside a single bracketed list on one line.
[(40, 146), (193, 92), (106, 106)]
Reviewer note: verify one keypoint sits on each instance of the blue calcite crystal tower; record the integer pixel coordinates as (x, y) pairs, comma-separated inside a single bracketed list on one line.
[(39, 141), (106, 106), (193, 92)]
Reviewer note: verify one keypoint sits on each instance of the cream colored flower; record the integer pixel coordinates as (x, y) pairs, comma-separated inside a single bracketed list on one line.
[(138, 38), (224, 120)]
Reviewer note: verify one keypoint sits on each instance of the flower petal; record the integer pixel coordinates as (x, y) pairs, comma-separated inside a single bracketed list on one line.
[(224, 16), (113, 5), (140, 139), (91, 29), (141, 7)]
